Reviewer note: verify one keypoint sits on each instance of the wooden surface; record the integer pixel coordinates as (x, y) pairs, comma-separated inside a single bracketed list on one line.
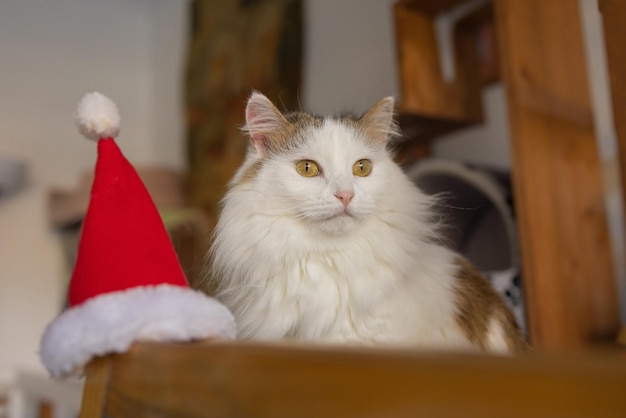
[(255, 380), (568, 277)]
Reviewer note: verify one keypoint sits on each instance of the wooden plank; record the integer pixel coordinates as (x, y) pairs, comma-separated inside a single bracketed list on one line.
[(614, 16), (239, 379), (569, 283), (97, 375)]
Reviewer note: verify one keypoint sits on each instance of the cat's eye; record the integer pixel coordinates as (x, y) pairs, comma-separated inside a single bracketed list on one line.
[(362, 168), (307, 168)]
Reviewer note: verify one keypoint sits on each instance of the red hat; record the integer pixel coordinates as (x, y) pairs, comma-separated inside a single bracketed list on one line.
[(127, 283)]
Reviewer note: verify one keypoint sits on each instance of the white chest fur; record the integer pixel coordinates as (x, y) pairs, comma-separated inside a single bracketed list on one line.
[(374, 288)]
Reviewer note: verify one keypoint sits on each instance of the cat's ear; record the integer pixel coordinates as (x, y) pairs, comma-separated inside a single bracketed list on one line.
[(378, 123), (263, 122)]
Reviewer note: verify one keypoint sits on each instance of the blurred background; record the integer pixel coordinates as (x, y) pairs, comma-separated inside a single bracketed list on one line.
[(180, 72)]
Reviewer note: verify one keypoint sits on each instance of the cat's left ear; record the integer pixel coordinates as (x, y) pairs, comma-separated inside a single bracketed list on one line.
[(378, 123), (264, 122)]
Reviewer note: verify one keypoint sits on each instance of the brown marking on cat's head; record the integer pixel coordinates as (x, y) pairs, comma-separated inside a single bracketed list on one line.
[(250, 173), (270, 130), (376, 125), (299, 123), (478, 304)]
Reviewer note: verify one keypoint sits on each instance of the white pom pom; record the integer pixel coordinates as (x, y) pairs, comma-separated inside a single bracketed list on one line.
[(97, 117)]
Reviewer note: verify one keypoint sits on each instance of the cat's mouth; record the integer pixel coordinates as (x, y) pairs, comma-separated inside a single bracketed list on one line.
[(345, 213), (338, 222)]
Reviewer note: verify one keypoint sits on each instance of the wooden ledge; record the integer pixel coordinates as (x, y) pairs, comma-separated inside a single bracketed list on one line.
[(242, 379)]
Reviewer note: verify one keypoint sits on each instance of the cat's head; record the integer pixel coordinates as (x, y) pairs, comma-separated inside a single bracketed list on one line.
[(330, 173)]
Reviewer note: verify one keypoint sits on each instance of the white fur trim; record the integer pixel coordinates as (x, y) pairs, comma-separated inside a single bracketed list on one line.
[(97, 117), (110, 323)]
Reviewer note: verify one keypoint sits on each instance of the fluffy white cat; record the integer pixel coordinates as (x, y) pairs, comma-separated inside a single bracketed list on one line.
[(323, 238)]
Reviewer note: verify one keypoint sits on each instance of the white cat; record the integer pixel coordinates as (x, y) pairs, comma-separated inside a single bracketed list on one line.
[(323, 238)]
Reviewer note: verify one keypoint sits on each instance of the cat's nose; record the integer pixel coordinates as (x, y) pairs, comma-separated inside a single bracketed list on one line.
[(345, 197)]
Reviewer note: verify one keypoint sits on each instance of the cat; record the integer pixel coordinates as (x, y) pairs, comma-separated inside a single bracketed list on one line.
[(323, 238)]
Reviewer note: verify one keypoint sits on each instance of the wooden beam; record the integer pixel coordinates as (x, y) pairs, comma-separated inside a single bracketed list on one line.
[(567, 267), (96, 386)]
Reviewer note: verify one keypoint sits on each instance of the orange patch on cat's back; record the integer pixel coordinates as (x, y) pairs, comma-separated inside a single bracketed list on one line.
[(480, 307)]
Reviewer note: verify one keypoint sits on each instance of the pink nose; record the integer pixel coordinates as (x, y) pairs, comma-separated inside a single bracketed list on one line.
[(345, 197)]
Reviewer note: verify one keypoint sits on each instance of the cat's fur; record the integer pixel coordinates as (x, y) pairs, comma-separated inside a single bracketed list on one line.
[(291, 261)]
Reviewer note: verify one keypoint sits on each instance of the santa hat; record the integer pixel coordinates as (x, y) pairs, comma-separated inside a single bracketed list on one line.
[(127, 283)]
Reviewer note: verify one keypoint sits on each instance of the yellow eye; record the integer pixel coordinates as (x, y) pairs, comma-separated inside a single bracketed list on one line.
[(362, 168), (307, 168)]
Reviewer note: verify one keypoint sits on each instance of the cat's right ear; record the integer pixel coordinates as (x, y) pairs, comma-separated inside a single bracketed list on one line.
[(263, 122), (378, 122)]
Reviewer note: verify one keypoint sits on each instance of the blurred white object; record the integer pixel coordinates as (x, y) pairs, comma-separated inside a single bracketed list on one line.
[(12, 175), (30, 389)]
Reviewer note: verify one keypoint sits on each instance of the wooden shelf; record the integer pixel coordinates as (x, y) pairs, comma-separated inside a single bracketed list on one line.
[(430, 105)]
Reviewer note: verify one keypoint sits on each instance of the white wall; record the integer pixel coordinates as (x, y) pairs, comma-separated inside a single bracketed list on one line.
[(487, 143), (350, 56), (167, 45), (51, 53)]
